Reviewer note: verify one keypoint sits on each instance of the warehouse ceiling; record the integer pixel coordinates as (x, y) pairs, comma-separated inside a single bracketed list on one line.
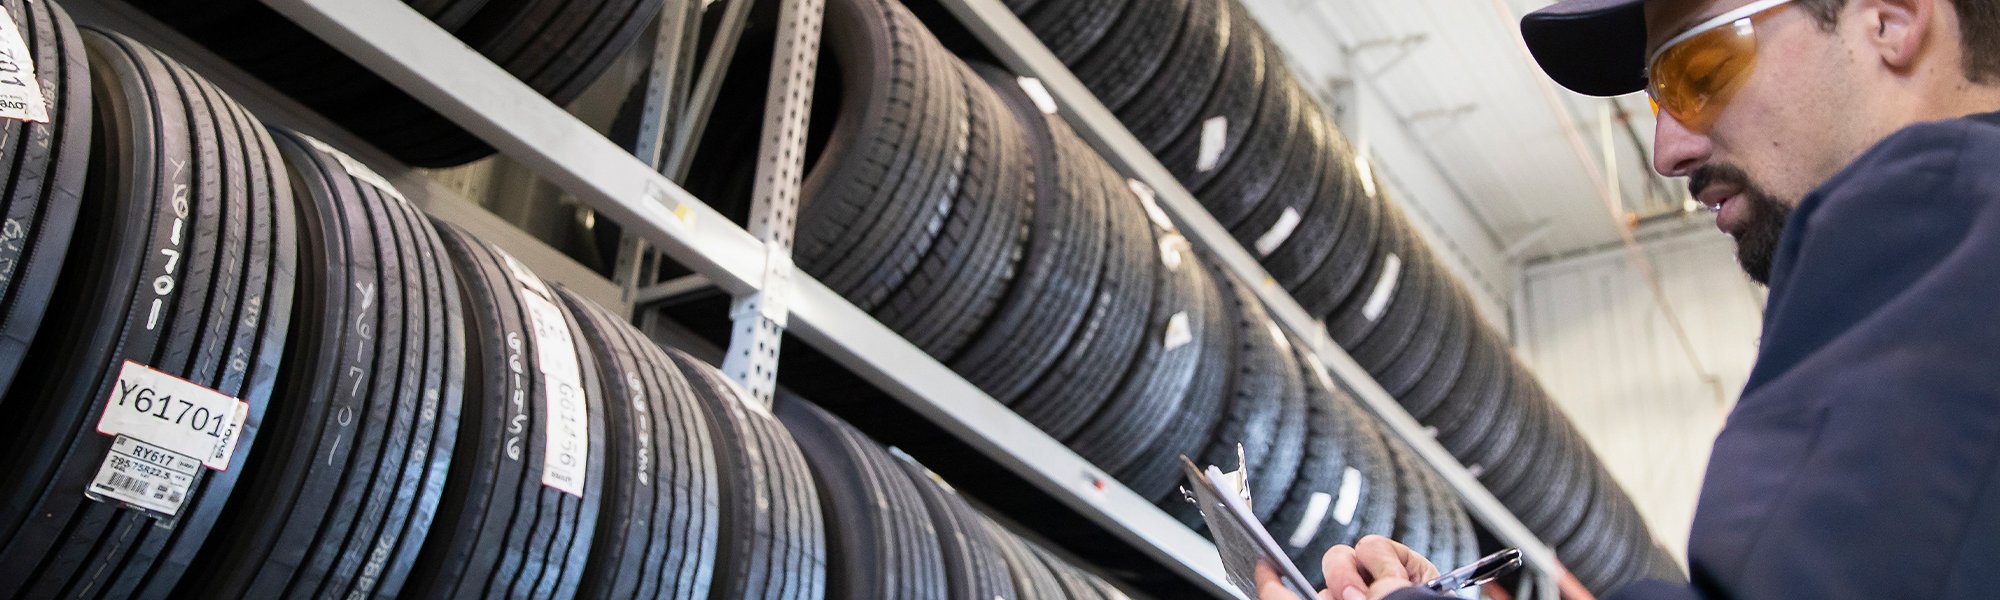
[(1526, 160)]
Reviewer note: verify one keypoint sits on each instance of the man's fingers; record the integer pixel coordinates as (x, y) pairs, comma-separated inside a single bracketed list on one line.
[(1343, 575), (1383, 559), (1270, 586)]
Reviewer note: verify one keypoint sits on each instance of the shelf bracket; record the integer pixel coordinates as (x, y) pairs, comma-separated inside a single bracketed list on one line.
[(759, 317)]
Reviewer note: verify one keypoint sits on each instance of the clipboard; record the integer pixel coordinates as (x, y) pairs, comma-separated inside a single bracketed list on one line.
[(1239, 538)]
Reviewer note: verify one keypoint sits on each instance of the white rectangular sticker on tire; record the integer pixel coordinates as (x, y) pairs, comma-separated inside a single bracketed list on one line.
[(566, 452), (20, 92), (1038, 93), (1310, 523), (1178, 333), (355, 168), (144, 476), (178, 415), (1350, 497), (1214, 134), (1385, 288), (1279, 232)]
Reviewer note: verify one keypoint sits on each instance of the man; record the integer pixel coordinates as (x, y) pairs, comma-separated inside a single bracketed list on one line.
[(1846, 145)]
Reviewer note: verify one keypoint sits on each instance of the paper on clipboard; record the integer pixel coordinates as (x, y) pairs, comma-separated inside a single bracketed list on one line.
[(1239, 538)]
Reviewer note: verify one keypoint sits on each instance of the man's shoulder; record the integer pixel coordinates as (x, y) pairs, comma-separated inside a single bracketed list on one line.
[(1953, 156)]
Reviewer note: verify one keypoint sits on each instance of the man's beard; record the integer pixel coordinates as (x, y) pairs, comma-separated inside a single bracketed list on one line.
[(1764, 219)]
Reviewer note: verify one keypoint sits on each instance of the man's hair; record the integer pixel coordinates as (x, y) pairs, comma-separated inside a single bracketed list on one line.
[(1978, 25)]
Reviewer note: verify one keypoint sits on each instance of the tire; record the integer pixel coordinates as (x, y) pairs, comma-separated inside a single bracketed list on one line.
[(773, 537), (164, 140), (41, 177), (1425, 350), (1304, 159), (1072, 28), (1252, 170), (1232, 102), (658, 527), (973, 558), (1322, 215), (1132, 51), (1157, 474), (881, 542), (1379, 496), (960, 283), (503, 528), (1400, 324), (1352, 322), (1169, 102), (1475, 403), (1434, 383), (1076, 584), (557, 47), (873, 205), (1089, 368), (1060, 267), (1352, 259), (1507, 465), (1031, 577), (340, 493), (1306, 522), (1157, 383), (1273, 479), (1413, 507), (1264, 378)]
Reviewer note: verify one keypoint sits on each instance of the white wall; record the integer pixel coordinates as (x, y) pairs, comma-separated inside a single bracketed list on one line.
[(1593, 331)]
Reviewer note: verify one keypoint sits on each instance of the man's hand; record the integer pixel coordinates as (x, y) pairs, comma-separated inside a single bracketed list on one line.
[(1371, 570)]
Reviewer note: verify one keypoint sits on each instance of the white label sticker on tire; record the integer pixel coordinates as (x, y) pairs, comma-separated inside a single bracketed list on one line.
[(1038, 93), (1280, 231), (355, 168), (1178, 333), (566, 426), (1349, 498), (144, 476), (20, 92), (1314, 517), (1278, 335), (173, 413), (1151, 201), (1367, 175), (1385, 288), (1214, 134), (1171, 249)]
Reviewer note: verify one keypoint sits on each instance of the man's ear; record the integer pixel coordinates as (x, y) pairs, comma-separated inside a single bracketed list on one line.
[(1898, 30)]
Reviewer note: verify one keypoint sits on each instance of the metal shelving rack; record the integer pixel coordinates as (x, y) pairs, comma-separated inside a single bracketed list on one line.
[(754, 265)]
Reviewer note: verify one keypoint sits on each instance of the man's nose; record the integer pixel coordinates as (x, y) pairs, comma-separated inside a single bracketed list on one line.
[(1677, 151)]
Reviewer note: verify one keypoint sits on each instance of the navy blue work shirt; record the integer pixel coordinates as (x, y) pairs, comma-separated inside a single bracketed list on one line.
[(1863, 460)]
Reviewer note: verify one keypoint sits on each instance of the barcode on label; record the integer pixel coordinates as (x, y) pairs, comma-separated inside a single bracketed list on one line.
[(129, 484), (20, 92), (144, 477)]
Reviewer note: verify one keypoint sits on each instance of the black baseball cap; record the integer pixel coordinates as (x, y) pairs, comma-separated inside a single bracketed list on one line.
[(1592, 47)]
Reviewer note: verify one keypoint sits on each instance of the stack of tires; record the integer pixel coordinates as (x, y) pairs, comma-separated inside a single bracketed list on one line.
[(556, 47), (1206, 90), (895, 530), (261, 372), (945, 200)]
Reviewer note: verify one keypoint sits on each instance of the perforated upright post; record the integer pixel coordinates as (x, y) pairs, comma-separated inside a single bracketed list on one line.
[(759, 317)]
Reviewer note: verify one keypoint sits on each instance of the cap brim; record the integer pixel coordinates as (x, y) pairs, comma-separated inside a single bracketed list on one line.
[(1593, 47)]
